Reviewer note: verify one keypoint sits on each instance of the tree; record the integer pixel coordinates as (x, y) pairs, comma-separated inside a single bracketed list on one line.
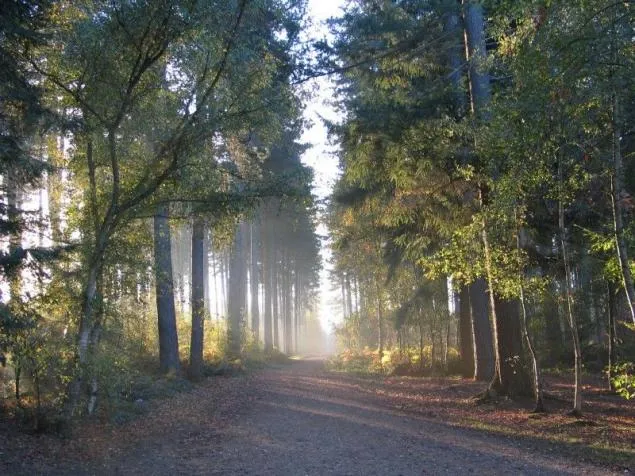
[(166, 312), (195, 369), (237, 290)]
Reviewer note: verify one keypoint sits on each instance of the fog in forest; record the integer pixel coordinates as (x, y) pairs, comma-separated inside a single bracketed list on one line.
[(422, 205)]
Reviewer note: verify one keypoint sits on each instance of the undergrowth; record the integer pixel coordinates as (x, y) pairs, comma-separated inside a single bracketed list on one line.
[(410, 361), (126, 370)]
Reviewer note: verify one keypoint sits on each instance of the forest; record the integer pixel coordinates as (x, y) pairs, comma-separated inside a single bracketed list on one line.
[(155, 210), (159, 228), (482, 223)]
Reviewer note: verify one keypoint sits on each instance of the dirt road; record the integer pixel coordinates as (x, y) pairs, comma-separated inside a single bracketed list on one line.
[(299, 420)]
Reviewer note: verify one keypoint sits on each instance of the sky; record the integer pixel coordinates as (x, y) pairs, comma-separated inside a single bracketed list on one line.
[(321, 156)]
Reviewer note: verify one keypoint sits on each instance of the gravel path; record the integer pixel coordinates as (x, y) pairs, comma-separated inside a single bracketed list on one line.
[(295, 420), (298, 420)]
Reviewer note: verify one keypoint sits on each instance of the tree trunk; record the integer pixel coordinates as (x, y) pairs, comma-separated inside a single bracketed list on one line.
[(296, 310), (512, 380), (617, 185), (537, 377), (237, 292), (286, 309), (90, 317), (509, 378), (95, 331), (87, 325), (451, 26), (480, 96), (573, 324), (166, 312), (14, 217), (446, 345), (611, 334), (380, 325), (206, 273), (275, 296), (539, 405), (349, 298), (223, 280), (363, 302), (498, 383), (195, 370), (421, 336), (94, 342), (268, 280), (465, 333), (17, 377), (481, 331), (358, 299), (476, 53), (343, 296), (254, 280)]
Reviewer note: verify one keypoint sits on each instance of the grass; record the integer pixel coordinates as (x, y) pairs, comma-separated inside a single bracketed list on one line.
[(562, 440)]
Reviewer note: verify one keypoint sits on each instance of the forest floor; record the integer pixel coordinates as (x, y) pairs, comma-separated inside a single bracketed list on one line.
[(301, 419)]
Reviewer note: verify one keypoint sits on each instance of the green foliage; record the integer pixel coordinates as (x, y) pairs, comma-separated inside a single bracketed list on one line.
[(623, 380), (424, 180)]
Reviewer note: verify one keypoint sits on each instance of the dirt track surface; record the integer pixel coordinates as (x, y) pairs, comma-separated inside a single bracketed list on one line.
[(298, 420)]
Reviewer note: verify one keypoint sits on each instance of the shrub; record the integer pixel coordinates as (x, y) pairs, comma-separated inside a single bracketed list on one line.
[(623, 380)]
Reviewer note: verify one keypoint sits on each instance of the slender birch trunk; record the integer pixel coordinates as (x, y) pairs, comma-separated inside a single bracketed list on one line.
[(573, 324)]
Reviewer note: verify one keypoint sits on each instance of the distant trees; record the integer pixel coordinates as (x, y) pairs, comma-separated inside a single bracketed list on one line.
[(289, 247)]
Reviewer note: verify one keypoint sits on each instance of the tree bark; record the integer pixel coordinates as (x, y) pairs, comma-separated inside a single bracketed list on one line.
[(166, 312), (539, 405), (481, 331), (267, 274), (513, 380), (206, 273), (89, 323), (14, 216), (275, 296), (349, 298), (553, 332), (451, 26), (197, 285), (465, 333), (509, 377), (286, 308), (573, 324), (476, 53), (611, 334), (254, 280), (380, 325), (343, 296), (222, 262), (296, 310), (237, 292), (617, 186)]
